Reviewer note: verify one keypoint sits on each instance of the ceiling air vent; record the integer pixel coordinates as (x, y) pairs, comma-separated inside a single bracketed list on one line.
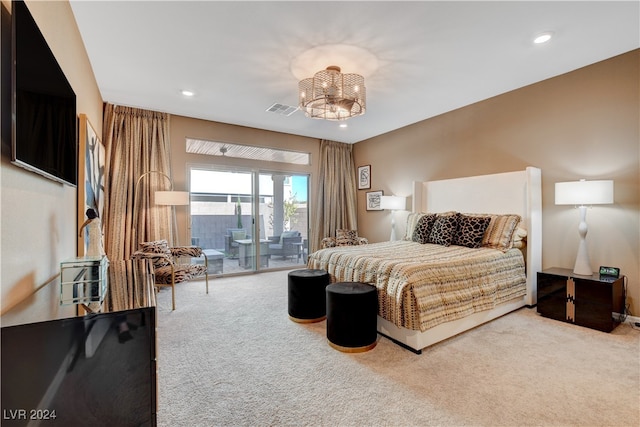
[(285, 110)]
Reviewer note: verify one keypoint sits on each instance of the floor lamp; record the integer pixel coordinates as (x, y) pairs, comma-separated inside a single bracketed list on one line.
[(165, 198), (394, 203), (582, 194)]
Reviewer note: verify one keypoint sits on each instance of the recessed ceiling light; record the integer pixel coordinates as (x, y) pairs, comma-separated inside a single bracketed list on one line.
[(187, 93), (343, 125), (543, 37)]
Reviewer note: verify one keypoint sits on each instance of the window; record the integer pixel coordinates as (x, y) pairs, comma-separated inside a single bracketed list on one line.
[(225, 149)]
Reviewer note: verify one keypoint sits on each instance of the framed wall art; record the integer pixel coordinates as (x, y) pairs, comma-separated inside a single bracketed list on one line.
[(373, 200), (364, 177), (91, 176)]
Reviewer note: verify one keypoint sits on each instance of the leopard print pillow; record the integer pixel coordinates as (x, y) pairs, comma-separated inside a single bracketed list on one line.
[(444, 230), (346, 237), (471, 231), (423, 228)]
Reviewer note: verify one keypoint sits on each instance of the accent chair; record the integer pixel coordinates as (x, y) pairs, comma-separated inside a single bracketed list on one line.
[(166, 270)]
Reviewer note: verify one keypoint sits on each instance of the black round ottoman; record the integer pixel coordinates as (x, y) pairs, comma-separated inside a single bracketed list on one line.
[(307, 297), (352, 316)]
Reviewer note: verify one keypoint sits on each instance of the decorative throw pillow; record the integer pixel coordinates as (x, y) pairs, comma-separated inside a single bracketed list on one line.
[(423, 228), (157, 247), (520, 234), (412, 221), (499, 234), (444, 229), (519, 237), (471, 230), (346, 237)]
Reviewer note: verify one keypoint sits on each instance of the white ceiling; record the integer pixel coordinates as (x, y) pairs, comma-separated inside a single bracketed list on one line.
[(420, 59)]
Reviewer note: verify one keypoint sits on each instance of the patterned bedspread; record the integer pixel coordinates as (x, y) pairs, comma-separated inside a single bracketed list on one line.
[(423, 285)]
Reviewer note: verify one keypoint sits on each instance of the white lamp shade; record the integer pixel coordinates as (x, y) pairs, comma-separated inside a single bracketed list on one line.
[(583, 192), (395, 203), (172, 198)]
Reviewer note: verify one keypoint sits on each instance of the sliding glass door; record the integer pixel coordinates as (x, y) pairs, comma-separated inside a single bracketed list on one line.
[(286, 224), (248, 220)]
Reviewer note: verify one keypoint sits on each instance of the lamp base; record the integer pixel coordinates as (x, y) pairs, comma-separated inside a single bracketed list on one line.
[(583, 265), (392, 238)]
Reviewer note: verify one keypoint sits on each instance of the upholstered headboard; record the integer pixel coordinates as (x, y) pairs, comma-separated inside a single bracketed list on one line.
[(503, 193)]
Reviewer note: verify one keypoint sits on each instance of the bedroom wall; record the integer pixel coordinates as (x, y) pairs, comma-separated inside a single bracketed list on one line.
[(38, 216), (583, 124)]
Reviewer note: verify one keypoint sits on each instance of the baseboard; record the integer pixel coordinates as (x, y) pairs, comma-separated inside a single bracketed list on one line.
[(632, 319)]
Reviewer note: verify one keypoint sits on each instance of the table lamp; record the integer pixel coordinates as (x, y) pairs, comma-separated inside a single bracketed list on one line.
[(582, 194), (394, 203), (166, 198)]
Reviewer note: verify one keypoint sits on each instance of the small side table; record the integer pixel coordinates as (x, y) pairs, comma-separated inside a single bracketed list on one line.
[(352, 316), (588, 301), (307, 297), (247, 253)]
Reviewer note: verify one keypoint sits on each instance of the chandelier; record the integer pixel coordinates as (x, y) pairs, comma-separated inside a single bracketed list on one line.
[(331, 95)]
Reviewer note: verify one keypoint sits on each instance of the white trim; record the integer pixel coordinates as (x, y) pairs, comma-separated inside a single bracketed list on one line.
[(630, 319)]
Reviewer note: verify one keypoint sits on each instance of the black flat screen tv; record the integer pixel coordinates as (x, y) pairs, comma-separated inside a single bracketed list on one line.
[(44, 121), (80, 372)]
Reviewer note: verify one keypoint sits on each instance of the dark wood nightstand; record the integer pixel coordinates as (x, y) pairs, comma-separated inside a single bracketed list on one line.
[(583, 300)]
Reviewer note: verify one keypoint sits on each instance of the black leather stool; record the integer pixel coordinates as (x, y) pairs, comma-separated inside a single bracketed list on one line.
[(307, 296), (352, 310)]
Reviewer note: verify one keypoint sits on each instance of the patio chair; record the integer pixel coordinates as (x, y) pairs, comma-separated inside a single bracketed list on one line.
[(231, 248), (286, 245)]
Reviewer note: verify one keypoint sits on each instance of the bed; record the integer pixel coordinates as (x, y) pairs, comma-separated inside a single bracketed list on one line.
[(428, 292)]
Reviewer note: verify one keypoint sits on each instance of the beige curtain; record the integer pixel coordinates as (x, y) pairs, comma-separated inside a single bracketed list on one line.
[(136, 142), (337, 195)]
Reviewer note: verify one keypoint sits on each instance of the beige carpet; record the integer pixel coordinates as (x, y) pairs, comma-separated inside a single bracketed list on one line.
[(233, 358)]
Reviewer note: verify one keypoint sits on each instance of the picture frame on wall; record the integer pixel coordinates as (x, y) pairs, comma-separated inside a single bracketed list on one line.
[(373, 200), (364, 177), (91, 176)]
